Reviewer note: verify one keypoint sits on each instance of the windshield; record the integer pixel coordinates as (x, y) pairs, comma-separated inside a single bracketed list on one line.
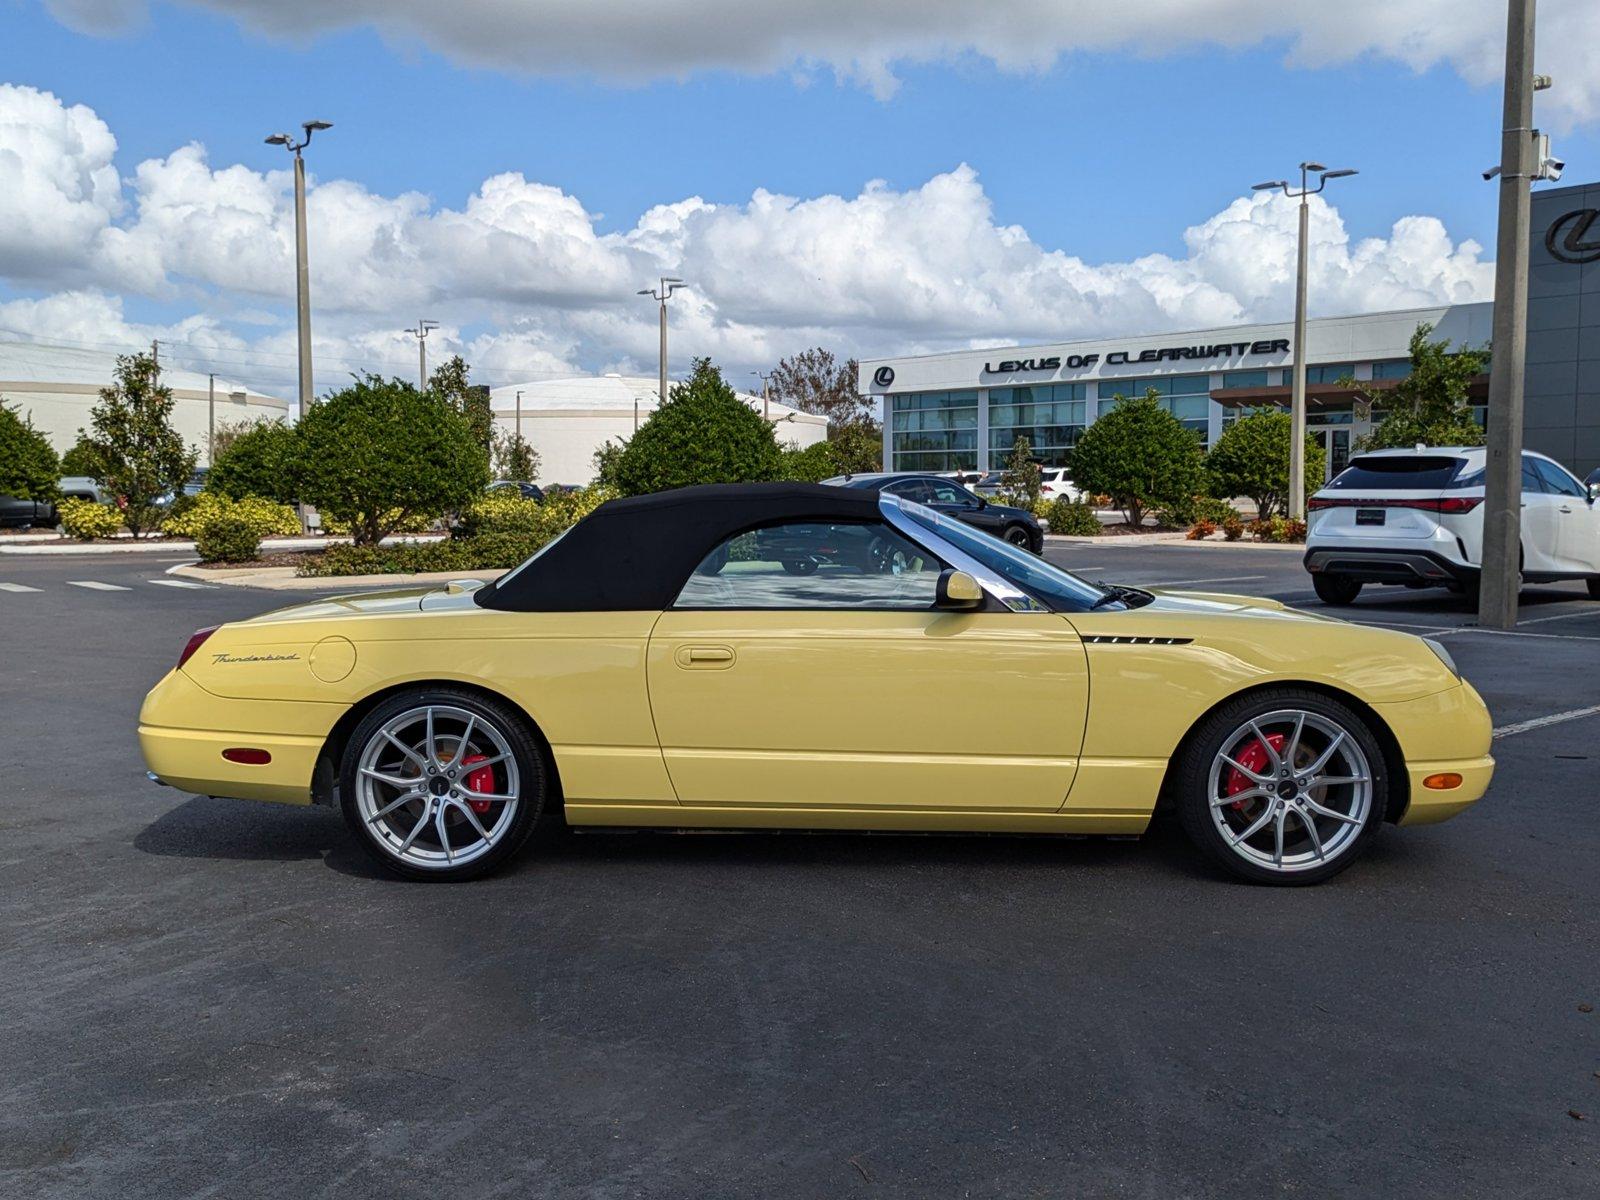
[(1400, 473), (1061, 590)]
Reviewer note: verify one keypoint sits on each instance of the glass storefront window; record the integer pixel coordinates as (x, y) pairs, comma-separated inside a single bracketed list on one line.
[(1245, 379), (1329, 372), (1394, 368), (934, 431), (1050, 416)]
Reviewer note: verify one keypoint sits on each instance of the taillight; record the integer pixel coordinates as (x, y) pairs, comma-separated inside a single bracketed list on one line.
[(196, 640), (1447, 504)]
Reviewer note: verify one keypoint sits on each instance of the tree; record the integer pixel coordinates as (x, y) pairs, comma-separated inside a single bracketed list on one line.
[(260, 459), (1022, 477), (1433, 405), (513, 458), (1251, 458), (29, 468), (1141, 456), (813, 381), (606, 458), (857, 447), (449, 380), (810, 465), (79, 458), (134, 452), (380, 454), (703, 434)]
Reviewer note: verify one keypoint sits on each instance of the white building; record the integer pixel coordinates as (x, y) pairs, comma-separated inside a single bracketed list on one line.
[(57, 385), (966, 409), (567, 420)]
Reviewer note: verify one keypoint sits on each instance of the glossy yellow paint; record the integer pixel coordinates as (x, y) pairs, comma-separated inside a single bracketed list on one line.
[(845, 720)]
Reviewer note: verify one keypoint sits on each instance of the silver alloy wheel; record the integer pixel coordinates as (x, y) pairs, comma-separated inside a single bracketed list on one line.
[(413, 793), (1290, 790)]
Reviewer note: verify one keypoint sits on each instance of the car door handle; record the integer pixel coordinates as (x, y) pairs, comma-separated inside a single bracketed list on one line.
[(705, 657), (1565, 509)]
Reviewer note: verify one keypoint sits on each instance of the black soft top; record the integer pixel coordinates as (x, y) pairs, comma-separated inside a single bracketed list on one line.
[(634, 555)]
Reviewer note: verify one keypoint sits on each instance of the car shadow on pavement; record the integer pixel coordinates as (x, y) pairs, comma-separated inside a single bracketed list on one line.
[(248, 831)]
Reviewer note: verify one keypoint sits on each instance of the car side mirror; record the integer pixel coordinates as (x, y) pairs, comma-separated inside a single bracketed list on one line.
[(1594, 492), (957, 592)]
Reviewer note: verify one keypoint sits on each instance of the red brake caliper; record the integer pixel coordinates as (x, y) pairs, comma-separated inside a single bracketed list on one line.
[(1254, 756), (482, 780)]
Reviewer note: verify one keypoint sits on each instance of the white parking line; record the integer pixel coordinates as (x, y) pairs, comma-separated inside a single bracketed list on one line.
[(96, 585), (1592, 612), (1215, 579), (182, 583), (16, 587), (1572, 714)]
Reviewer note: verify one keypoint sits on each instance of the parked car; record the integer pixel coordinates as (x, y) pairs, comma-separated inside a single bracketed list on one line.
[(17, 513), (651, 667), (1056, 484), (81, 487), (527, 491), (1415, 517), (988, 483), (1016, 525)]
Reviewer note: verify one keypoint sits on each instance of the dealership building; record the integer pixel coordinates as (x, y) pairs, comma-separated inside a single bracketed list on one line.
[(965, 410)]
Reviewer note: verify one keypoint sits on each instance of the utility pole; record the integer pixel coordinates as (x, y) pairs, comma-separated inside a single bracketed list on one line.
[(211, 420), (766, 398), (302, 271), (1501, 578), (661, 295), (519, 417), (424, 327), (1297, 397)]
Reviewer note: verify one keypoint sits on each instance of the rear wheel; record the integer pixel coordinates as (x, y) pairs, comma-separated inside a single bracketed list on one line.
[(1283, 787), (1336, 589), (442, 784)]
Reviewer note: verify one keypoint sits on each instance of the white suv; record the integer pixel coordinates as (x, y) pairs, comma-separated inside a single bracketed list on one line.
[(1415, 517)]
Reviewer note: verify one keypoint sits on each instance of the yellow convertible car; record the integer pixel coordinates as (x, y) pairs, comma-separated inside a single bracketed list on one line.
[(802, 657)]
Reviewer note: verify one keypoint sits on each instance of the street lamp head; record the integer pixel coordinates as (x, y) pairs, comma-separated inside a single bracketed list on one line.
[(1340, 174), (645, 292), (1312, 166), (1271, 183), (314, 126), (278, 139)]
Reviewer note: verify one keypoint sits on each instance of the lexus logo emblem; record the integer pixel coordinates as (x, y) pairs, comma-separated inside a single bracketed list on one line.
[(1569, 236), (884, 376)]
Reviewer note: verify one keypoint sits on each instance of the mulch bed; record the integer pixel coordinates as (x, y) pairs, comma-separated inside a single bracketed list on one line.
[(283, 558)]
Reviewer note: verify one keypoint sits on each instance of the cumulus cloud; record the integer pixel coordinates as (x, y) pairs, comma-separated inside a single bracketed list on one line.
[(528, 285), (866, 40)]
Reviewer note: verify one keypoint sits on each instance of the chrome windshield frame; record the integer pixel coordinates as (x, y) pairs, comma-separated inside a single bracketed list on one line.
[(997, 585)]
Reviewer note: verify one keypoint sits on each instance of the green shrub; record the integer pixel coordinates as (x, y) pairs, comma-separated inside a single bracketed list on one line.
[(1209, 508), (28, 464), (86, 520), (1073, 520), (264, 516), (1278, 529), (227, 537), (1251, 458), (262, 459), (1140, 455), (503, 512), (811, 465), (703, 433)]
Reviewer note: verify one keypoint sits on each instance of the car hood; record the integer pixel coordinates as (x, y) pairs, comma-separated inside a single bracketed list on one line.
[(439, 597), (1221, 603), (1007, 510)]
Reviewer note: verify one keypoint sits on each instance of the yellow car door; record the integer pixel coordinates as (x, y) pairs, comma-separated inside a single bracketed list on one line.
[(804, 666)]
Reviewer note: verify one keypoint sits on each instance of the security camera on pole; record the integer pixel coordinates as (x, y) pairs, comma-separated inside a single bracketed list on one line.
[(302, 276), (1297, 400), (661, 295)]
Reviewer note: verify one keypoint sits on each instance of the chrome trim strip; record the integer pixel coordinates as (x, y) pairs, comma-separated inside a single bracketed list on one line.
[(997, 585)]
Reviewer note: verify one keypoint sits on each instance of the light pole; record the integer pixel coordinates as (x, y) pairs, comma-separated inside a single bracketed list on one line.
[(766, 401), (1297, 398), (302, 272), (661, 295), (421, 332), (211, 420)]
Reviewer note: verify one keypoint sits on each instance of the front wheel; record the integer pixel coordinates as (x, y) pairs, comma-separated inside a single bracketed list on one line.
[(1283, 787), (1017, 535), (442, 784), (1336, 589)]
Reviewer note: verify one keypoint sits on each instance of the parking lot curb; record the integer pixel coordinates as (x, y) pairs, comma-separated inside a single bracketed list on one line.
[(1134, 541), (283, 579)]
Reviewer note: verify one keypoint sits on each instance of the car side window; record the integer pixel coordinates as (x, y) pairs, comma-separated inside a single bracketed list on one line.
[(915, 490), (814, 565), (944, 493), (1556, 480), (1530, 477)]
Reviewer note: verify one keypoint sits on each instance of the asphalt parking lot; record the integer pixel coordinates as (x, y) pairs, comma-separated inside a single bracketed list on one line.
[(219, 998)]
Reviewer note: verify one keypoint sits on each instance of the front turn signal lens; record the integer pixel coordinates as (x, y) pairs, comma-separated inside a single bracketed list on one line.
[(1443, 781)]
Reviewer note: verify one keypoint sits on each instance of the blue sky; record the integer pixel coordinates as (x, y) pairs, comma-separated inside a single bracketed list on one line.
[(1106, 156)]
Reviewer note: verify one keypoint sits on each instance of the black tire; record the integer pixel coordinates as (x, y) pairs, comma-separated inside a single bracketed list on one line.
[(1018, 536), (800, 566), (1594, 587), (1193, 784), (1338, 590), (533, 790)]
